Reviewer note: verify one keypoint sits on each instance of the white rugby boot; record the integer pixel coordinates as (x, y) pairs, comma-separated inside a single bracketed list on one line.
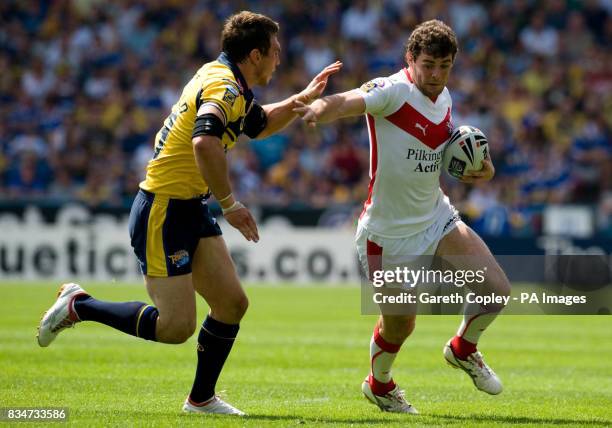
[(59, 316), (214, 405), (483, 376), (393, 401)]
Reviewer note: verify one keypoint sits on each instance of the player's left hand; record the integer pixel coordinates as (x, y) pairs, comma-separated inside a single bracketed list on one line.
[(316, 87), (486, 173)]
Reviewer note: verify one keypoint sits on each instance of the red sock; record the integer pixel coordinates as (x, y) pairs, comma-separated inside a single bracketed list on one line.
[(462, 348), (382, 356), (379, 388)]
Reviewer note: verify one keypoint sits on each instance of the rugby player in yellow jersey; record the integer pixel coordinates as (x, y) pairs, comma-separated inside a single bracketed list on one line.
[(177, 241)]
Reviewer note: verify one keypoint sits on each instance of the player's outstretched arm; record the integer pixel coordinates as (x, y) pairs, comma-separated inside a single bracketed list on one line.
[(332, 107), (281, 114)]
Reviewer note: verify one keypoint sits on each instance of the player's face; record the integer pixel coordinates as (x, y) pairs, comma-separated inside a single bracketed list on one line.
[(269, 62), (430, 74)]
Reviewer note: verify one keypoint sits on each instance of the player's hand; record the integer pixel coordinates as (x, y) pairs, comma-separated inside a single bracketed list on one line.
[(486, 173), (306, 112), (242, 220), (316, 87)]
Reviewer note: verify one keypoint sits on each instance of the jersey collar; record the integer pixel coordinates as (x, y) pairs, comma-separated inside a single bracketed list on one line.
[(225, 60)]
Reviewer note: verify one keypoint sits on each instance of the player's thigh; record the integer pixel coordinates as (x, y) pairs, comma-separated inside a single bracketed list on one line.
[(465, 250), (379, 255), (174, 298), (216, 280)]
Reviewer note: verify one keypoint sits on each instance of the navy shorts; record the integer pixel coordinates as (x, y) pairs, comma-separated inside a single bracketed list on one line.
[(165, 232)]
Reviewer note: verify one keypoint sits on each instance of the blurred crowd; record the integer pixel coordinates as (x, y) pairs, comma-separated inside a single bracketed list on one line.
[(86, 84)]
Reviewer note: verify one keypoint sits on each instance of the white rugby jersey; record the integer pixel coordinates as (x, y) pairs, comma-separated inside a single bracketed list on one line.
[(408, 132)]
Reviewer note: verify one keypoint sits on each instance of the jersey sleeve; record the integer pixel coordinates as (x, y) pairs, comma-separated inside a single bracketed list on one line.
[(255, 121), (221, 93), (378, 95)]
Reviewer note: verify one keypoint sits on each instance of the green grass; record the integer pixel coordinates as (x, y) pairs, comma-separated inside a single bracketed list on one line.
[(301, 355)]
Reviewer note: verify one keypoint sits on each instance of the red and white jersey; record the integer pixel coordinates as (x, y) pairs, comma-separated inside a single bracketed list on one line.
[(408, 132)]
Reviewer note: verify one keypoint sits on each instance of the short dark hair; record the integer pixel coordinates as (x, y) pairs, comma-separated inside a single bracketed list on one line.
[(433, 38), (246, 31)]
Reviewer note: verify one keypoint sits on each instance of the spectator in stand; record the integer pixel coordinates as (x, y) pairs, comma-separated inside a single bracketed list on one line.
[(539, 38), (70, 81), (361, 22)]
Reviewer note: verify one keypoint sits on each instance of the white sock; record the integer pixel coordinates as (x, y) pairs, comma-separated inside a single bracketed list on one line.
[(475, 320), (382, 355)]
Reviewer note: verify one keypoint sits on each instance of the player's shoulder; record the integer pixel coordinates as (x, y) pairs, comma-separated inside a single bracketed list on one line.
[(375, 84), (383, 84), (400, 77), (218, 85), (218, 73)]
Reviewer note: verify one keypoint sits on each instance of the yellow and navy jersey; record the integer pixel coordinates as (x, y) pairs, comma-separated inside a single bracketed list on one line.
[(173, 170)]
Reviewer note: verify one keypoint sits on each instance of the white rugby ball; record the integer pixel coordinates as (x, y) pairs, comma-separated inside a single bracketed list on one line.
[(465, 150)]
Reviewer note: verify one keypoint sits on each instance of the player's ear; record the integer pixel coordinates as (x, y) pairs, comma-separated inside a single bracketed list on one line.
[(409, 58), (255, 56)]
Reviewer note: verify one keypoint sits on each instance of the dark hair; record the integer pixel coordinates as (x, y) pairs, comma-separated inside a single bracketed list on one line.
[(246, 31), (433, 38)]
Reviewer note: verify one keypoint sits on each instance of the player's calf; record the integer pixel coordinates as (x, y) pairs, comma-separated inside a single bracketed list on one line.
[(387, 338), (215, 342), (396, 328), (135, 318)]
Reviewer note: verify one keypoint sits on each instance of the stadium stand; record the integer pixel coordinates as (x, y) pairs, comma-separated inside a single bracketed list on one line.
[(86, 84)]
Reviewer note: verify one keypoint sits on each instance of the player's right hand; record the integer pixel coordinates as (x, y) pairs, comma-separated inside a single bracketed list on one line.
[(242, 220)]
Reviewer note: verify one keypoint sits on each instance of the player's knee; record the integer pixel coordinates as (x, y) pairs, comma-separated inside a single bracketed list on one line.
[(231, 310), (503, 287), (240, 306), (507, 289), (410, 325), (178, 332)]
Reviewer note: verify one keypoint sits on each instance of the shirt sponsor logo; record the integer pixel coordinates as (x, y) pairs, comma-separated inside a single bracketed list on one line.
[(428, 161)]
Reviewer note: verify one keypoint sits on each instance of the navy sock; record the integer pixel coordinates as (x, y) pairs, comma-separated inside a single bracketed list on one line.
[(215, 342), (135, 318)]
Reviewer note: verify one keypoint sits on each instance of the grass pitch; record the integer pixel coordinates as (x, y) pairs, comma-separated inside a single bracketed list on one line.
[(300, 357)]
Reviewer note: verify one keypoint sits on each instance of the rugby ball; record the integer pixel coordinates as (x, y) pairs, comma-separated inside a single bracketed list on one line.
[(465, 150)]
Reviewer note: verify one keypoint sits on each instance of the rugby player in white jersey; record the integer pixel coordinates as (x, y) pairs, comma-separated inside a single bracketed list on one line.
[(409, 121)]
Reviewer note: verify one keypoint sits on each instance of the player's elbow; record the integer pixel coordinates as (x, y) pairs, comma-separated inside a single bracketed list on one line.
[(206, 144)]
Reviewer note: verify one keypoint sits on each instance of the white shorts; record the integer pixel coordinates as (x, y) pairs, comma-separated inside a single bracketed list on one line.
[(376, 253)]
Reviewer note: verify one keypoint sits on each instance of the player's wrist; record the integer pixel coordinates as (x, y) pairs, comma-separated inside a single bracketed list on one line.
[(234, 207), (227, 201)]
